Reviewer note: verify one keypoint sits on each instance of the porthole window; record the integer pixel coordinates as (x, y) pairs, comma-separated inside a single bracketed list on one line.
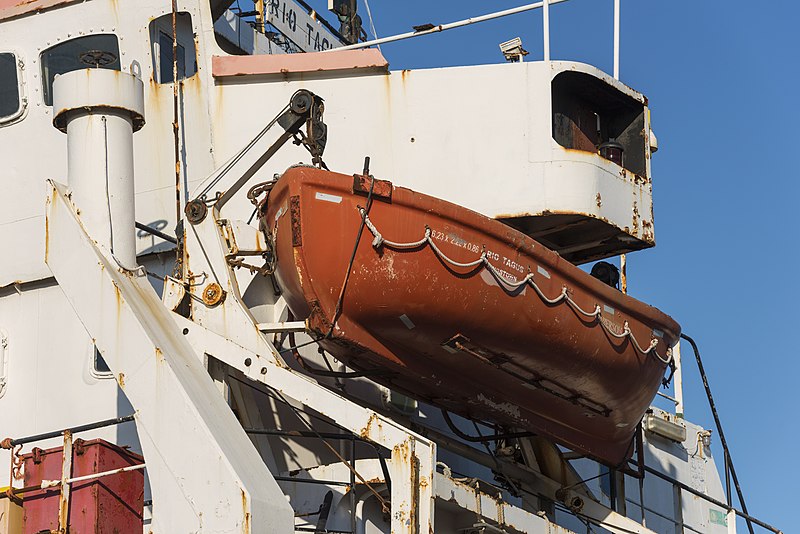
[(11, 100), (90, 51)]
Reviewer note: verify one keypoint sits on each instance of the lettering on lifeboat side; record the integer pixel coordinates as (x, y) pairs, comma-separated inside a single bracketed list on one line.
[(498, 261)]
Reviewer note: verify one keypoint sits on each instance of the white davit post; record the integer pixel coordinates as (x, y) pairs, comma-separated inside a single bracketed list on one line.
[(99, 109)]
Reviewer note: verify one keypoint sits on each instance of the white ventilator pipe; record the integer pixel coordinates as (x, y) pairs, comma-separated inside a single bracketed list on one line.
[(99, 109)]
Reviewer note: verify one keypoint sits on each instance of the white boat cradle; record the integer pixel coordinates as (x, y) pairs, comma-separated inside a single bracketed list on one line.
[(103, 334)]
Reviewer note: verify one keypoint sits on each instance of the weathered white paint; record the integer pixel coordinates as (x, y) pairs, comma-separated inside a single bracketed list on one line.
[(468, 146)]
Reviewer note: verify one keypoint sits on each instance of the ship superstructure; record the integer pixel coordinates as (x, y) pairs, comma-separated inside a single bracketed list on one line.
[(138, 302)]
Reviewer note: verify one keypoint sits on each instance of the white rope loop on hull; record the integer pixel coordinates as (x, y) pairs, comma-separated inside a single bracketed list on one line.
[(596, 314)]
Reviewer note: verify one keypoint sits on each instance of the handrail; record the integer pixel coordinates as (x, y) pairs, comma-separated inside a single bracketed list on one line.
[(449, 26), (744, 515), (723, 441), (10, 442)]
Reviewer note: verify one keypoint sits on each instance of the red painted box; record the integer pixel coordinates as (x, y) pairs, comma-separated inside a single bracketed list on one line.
[(109, 505)]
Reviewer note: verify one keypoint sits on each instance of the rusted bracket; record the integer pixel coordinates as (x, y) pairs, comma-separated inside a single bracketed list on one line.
[(381, 190)]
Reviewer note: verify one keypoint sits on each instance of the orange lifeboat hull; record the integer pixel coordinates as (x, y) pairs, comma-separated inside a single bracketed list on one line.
[(465, 313)]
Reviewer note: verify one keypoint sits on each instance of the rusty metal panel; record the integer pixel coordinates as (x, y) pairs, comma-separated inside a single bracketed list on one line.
[(363, 185), (112, 504)]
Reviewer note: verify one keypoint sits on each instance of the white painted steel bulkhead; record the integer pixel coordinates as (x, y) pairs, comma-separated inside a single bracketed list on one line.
[(478, 136)]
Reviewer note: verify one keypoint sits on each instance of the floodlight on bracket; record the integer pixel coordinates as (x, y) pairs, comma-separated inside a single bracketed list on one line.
[(512, 50)]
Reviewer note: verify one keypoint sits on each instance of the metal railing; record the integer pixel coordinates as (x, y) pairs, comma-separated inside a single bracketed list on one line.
[(731, 479), (544, 5)]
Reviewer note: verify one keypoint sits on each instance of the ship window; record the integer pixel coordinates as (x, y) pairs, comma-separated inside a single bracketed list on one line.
[(10, 97), (588, 112), (161, 39), (91, 51), (98, 367), (165, 70)]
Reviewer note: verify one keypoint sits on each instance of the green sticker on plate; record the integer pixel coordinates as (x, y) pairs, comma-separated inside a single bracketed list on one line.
[(718, 518)]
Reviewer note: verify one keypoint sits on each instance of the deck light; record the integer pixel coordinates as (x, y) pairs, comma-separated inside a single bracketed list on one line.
[(512, 50), (664, 428), (612, 151)]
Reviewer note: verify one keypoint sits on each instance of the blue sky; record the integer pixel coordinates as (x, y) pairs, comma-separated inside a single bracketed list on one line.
[(722, 79)]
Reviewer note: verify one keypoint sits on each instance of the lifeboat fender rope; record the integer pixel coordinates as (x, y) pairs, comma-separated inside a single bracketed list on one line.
[(596, 314)]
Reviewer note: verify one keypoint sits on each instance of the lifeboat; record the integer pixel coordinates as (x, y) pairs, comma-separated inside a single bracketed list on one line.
[(463, 312)]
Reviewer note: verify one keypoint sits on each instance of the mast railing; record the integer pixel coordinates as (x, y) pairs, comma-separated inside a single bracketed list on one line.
[(544, 5), (458, 24)]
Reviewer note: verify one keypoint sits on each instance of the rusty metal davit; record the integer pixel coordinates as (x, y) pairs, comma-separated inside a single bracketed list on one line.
[(464, 312)]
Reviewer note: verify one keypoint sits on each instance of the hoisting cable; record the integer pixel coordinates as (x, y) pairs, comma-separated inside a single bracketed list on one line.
[(320, 372), (239, 155), (384, 505), (278, 396), (481, 439), (511, 486), (719, 429), (364, 214), (372, 23)]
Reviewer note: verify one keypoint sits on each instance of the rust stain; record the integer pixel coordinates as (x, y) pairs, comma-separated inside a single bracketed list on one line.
[(647, 231), (415, 485), (47, 237), (366, 432), (121, 380), (119, 300), (294, 209), (115, 9), (245, 514)]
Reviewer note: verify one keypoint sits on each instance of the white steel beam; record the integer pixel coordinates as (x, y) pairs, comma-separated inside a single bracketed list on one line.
[(204, 472), (412, 455)]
